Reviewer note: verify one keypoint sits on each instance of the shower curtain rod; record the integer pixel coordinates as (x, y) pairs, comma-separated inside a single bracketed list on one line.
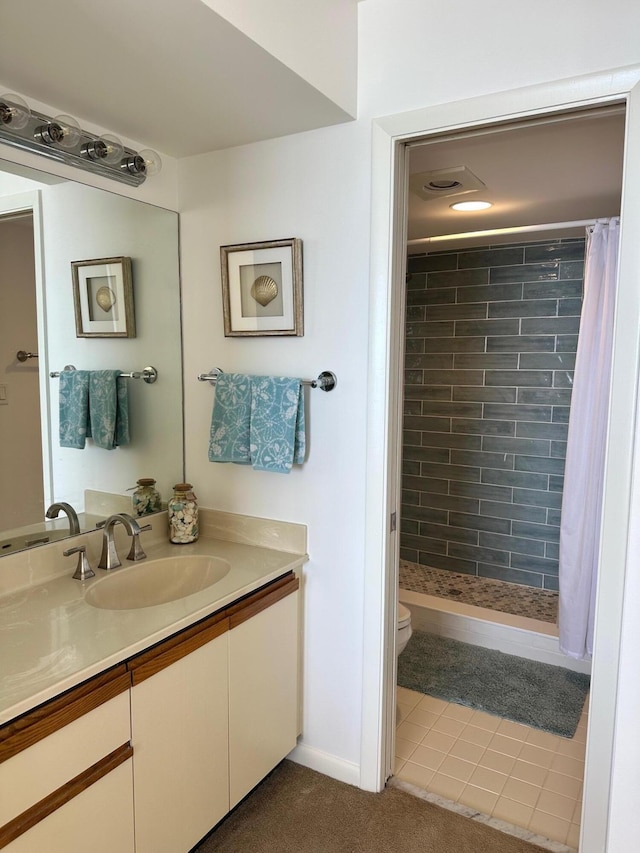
[(495, 232)]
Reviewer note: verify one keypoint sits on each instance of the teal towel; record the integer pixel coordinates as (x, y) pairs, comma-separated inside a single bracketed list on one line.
[(108, 423), (74, 408), (258, 420), (277, 431)]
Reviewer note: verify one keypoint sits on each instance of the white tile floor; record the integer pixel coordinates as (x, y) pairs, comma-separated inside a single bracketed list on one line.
[(505, 770)]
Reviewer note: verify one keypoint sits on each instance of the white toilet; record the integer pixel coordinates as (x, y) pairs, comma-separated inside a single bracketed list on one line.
[(404, 628)]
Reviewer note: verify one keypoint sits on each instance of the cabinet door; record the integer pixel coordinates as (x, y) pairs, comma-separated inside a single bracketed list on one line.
[(263, 692), (179, 718), (99, 819)]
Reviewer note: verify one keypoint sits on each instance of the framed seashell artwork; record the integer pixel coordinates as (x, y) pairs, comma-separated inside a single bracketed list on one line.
[(262, 288), (103, 298)]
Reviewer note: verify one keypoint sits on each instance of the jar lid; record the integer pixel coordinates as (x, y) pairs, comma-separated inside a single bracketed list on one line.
[(182, 487), (146, 481)]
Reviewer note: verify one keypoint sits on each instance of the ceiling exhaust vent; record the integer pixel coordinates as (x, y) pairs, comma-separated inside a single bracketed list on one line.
[(443, 183)]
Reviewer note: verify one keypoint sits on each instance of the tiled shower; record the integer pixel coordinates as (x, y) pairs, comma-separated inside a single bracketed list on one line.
[(491, 336)]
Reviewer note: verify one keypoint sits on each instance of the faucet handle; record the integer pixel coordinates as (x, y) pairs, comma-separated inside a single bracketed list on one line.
[(83, 570), (136, 552)]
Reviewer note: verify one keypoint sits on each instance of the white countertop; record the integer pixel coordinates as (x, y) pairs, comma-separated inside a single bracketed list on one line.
[(51, 639)]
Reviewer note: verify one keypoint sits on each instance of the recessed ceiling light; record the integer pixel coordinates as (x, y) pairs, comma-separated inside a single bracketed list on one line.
[(471, 205)]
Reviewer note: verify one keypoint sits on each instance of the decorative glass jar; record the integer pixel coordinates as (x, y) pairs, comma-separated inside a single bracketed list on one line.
[(183, 514), (146, 498)]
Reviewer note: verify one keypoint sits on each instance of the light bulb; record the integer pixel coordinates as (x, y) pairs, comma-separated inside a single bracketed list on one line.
[(70, 131), (145, 162), (106, 149), (471, 205), (14, 112), (62, 130)]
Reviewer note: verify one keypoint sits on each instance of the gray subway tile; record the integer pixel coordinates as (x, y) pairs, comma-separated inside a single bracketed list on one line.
[(556, 251), (529, 378), (524, 308), (426, 392), (513, 511), (552, 551), (479, 554), (520, 446), (547, 361), (458, 278), (484, 361), (455, 409), (518, 479), (527, 429), (416, 281), (561, 414), (415, 314), (543, 397), (435, 424), (482, 394), (424, 483), (479, 522), (451, 564), (567, 343), (526, 272), (419, 423), (452, 472), (536, 531), (435, 394), (535, 547), (450, 502), (452, 440), (423, 543), (409, 497), (453, 377), (532, 497), (412, 407), (449, 344), (462, 311), (550, 325), (559, 449), (413, 344), (482, 490), (411, 437), (408, 467), (551, 583), (553, 517), (539, 464), (569, 307), (424, 298), (416, 542), (429, 330), (517, 412), (408, 527), (553, 290), (429, 361), (491, 257), (521, 343), (487, 570), (408, 554), (571, 269), (429, 263), (483, 427), (412, 377), (426, 454), (472, 328), (450, 533), (482, 460), (489, 293), (426, 513), (556, 483), (563, 379), (535, 564)]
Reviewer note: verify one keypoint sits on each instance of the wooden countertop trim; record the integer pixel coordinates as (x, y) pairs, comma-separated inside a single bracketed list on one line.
[(169, 651), (262, 599), (46, 719), (38, 812)]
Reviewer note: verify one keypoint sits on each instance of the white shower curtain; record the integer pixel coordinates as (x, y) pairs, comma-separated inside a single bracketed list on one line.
[(584, 469)]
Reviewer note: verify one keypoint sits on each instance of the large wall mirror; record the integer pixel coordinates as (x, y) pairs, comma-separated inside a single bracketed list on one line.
[(46, 224)]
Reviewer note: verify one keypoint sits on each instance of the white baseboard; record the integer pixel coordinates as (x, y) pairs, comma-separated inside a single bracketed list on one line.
[(513, 635), (323, 762)]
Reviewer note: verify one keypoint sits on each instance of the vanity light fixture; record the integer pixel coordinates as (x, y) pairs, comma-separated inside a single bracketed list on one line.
[(471, 205), (62, 139)]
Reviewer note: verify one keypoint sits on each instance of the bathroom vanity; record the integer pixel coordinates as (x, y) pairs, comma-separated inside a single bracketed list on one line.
[(170, 730)]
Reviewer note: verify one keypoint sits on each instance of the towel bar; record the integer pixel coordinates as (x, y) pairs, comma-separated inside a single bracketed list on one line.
[(149, 374), (326, 381)]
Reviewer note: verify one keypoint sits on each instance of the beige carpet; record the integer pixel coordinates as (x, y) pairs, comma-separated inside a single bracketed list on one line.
[(296, 810)]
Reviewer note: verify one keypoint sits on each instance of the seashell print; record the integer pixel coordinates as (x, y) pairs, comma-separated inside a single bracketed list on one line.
[(106, 298), (264, 290)]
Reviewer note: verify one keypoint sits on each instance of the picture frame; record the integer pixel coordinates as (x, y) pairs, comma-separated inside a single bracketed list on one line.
[(103, 298), (262, 288)]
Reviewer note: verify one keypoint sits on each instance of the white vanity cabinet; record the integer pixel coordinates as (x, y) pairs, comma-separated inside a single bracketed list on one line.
[(179, 719), (66, 772), (213, 710)]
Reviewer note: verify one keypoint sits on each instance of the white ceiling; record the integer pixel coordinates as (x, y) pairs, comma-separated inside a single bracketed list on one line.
[(542, 173), (172, 74)]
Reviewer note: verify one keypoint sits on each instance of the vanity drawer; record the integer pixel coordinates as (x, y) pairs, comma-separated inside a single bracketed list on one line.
[(43, 751)]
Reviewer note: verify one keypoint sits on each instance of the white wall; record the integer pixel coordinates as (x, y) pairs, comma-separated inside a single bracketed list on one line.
[(313, 186)]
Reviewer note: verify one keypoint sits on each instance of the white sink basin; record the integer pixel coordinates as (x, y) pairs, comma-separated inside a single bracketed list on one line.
[(156, 582)]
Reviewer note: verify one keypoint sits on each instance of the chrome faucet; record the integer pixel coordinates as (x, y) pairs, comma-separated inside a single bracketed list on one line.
[(74, 524), (109, 558)]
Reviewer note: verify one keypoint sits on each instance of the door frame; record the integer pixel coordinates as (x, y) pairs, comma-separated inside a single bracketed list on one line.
[(24, 203), (386, 304)]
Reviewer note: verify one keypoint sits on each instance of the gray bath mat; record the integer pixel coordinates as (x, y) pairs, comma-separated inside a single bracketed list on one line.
[(546, 697)]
